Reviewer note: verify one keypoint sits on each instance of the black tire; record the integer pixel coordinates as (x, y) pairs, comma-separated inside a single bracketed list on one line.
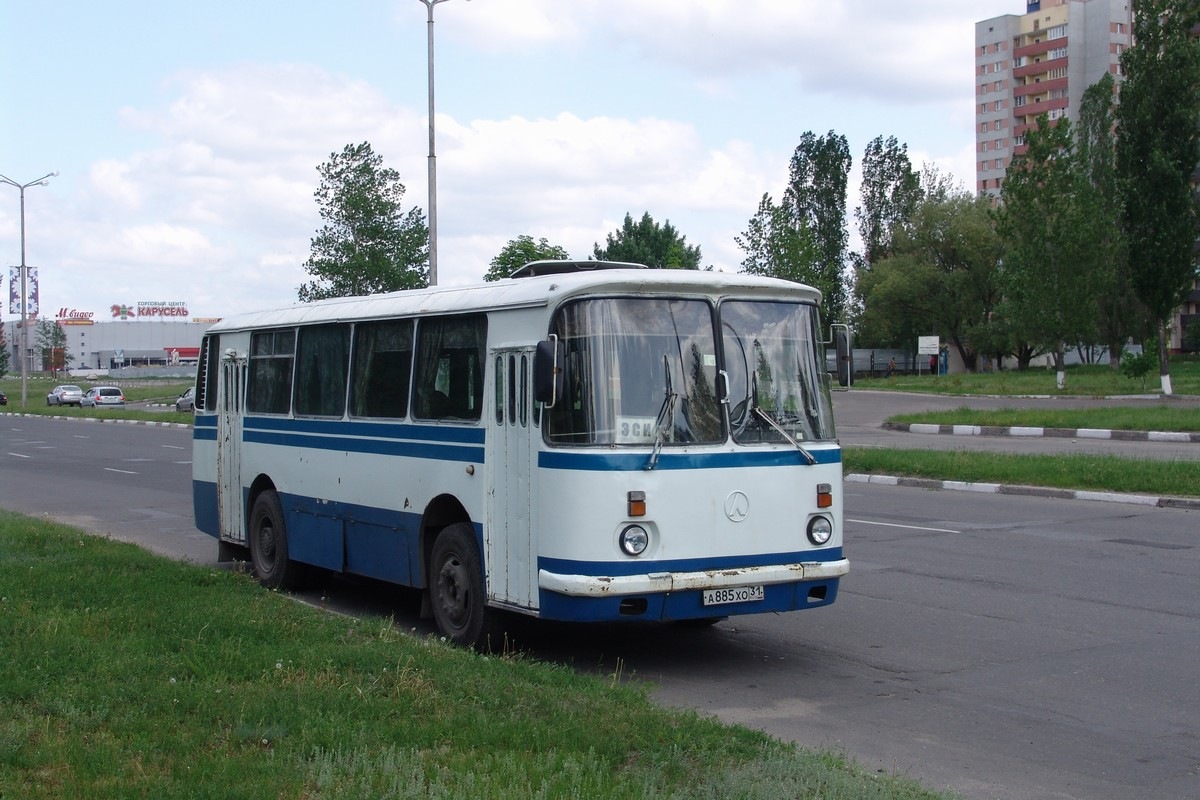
[(269, 545), (456, 589)]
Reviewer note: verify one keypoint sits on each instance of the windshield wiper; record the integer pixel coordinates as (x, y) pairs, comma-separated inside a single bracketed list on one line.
[(757, 410), (767, 418), (666, 418)]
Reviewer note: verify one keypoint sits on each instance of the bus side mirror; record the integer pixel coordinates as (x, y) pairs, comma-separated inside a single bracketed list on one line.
[(845, 356), (548, 364)]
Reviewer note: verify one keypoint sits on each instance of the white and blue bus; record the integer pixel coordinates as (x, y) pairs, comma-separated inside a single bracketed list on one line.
[(585, 441)]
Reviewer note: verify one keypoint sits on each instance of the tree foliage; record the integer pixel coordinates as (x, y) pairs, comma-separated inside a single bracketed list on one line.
[(519, 252), (815, 201), (647, 242), (51, 342), (1119, 315), (776, 247), (1158, 149), (1053, 275), (4, 354), (366, 244), (942, 277), (890, 191)]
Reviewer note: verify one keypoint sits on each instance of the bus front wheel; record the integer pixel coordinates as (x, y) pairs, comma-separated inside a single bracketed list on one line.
[(456, 588), (269, 545)]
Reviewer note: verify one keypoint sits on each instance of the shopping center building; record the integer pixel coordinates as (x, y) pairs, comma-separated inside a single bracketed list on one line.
[(120, 337)]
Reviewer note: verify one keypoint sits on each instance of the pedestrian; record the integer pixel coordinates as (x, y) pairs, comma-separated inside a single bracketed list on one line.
[(891, 368), (933, 365)]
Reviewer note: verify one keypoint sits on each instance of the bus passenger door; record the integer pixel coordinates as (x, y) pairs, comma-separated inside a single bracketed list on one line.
[(509, 541), (231, 509)]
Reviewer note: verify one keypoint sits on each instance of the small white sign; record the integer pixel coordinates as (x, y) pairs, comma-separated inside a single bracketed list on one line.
[(928, 345)]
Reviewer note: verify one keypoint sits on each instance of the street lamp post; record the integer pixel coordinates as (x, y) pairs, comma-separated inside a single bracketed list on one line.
[(21, 187), (429, 4)]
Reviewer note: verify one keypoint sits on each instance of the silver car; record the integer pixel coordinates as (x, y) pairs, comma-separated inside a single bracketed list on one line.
[(103, 396), (65, 395), (187, 400)]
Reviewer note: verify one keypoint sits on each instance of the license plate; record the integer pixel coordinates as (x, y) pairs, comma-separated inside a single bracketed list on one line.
[(733, 594)]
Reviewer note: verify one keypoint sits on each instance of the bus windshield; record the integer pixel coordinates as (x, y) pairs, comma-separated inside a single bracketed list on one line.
[(643, 371), (777, 386), (638, 371)]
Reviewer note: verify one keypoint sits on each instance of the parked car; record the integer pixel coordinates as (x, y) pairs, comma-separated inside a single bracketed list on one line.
[(105, 396), (3, 399), (187, 400), (65, 395)]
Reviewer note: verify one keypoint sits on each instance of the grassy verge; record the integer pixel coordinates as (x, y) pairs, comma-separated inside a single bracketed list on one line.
[(1076, 471), (1086, 380), (159, 392), (128, 675), (1121, 418)]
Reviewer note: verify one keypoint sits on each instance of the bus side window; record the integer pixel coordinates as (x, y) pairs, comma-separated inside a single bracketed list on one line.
[(382, 367), (322, 360), (449, 368)]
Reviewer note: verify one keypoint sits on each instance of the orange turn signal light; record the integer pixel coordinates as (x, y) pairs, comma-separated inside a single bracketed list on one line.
[(824, 495), (637, 504)]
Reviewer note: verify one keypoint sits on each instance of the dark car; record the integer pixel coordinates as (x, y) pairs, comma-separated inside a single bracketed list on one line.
[(103, 397), (65, 395), (3, 399), (187, 400)]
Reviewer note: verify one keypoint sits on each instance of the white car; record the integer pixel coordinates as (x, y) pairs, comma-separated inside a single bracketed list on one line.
[(65, 395), (103, 396)]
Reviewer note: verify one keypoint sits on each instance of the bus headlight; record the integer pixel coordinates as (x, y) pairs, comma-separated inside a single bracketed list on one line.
[(819, 530), (634, 540)]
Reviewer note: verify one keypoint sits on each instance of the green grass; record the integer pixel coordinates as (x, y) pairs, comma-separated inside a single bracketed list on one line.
[(161, 392), (1076, 471), (1122, 418), (1082, 380), (128, 675)]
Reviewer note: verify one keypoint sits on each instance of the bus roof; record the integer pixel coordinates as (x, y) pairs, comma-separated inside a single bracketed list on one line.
[(521, 292)]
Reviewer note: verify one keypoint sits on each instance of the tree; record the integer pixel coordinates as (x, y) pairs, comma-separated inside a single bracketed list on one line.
[(366, 244), (942, 277), (647, 242), (890, 191), (815, 200), (519, 252), (776, 248), (4, 354), (51, 342), (1096, 158), (1158, 148), (1052, 276)]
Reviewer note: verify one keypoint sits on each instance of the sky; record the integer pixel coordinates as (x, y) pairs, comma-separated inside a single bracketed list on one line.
[(187, 136)]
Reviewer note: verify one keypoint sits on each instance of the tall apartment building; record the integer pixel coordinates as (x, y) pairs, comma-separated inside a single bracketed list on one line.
[(1035, 63)]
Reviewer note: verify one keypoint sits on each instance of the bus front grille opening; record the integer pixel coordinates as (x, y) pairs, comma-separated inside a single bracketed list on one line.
[(633, 606)]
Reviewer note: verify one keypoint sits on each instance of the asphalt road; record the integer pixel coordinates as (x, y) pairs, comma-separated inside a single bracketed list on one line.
[(1002, 647)]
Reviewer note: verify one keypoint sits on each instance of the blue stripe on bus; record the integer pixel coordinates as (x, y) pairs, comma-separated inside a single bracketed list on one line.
[(393, 430), (632, 462), (433, 442), (349, 444), (564, 566)]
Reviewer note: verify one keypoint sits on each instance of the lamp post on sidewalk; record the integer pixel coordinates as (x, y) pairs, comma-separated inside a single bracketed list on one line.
[(21, 187), (429, 4)]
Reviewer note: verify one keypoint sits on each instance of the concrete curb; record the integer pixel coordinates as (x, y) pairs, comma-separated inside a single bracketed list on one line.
[(151, 423), (1188, 503), (1061, 433)]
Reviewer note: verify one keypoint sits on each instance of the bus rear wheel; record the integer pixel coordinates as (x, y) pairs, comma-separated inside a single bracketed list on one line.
[(456, 588), (269, 545)]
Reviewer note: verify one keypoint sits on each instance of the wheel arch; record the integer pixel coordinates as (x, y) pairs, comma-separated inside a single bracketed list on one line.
[(442, 511)]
